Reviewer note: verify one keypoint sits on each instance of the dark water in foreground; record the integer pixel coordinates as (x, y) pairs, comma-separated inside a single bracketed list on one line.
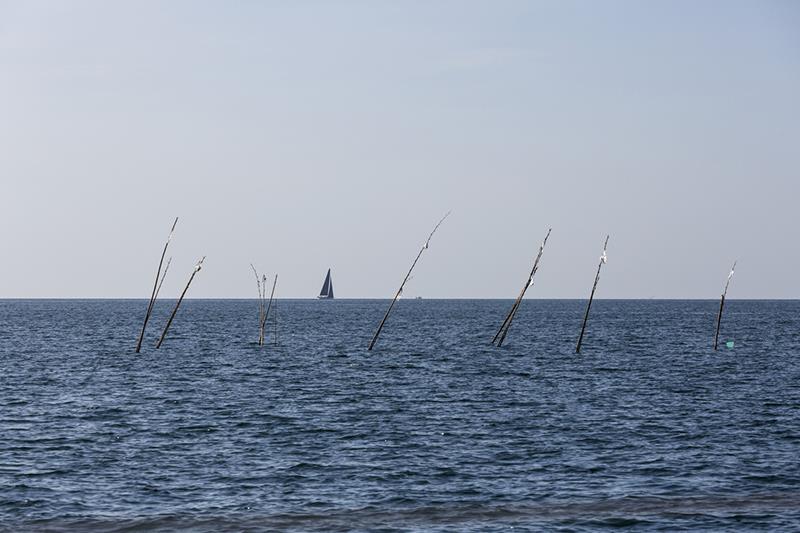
[(434, 430)]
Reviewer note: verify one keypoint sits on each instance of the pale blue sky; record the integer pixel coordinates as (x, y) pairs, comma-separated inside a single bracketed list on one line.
[(306, 135)]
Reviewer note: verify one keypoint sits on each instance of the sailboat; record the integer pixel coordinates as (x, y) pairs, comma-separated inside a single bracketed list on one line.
[(327, 288)]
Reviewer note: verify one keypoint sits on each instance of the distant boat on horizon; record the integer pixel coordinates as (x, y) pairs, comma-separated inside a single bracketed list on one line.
[(327, 288)]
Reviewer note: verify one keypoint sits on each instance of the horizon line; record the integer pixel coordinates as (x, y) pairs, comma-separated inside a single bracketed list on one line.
[(314, 298)]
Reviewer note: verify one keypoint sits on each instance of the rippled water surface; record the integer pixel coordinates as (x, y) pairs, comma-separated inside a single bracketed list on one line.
[(433, 430)]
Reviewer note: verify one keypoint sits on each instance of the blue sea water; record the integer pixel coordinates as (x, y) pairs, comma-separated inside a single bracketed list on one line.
[(434, 430)]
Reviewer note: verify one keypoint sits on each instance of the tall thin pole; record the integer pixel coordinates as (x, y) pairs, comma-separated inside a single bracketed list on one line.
[(275, 320), (269, 306), (178, 303), (163, 275), (156, 287), (261, 296), (400, 290), (603, 260), (263, 317), (722, 305), (500, 336)]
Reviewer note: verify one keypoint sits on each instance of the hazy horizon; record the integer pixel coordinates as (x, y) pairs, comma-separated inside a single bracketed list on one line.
[(172, 298), (305, 136)]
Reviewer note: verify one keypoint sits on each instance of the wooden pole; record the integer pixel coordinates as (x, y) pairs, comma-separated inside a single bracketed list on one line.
[(269, 306), (722, 305), (156, 287), (719, 321), (163, 275), (603, 260), (509, 316), (275, 320), (400, 290), (510, 319), (500, 336), (178, 303), (262, 333), (261, 291)]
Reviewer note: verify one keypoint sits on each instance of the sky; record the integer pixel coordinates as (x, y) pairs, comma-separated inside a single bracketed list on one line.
[(306, 135)]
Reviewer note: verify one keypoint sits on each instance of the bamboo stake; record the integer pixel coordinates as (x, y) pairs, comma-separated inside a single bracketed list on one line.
[(261, 295), (160, 283), (269, 306), (275, 321), (400, 290), (262, 308), (500, 336), (156, 287), (262, 333), (721, 305), (603, 260), (197, 268)]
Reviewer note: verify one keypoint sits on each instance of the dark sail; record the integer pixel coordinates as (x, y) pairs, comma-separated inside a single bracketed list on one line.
[(327, 287)]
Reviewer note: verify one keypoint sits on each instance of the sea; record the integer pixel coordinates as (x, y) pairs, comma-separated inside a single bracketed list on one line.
[(435, 429)]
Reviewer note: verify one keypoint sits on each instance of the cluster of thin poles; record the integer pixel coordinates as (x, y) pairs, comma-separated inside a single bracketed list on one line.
[(264, 305), (500, 337), (159, 281), (156, 286)]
